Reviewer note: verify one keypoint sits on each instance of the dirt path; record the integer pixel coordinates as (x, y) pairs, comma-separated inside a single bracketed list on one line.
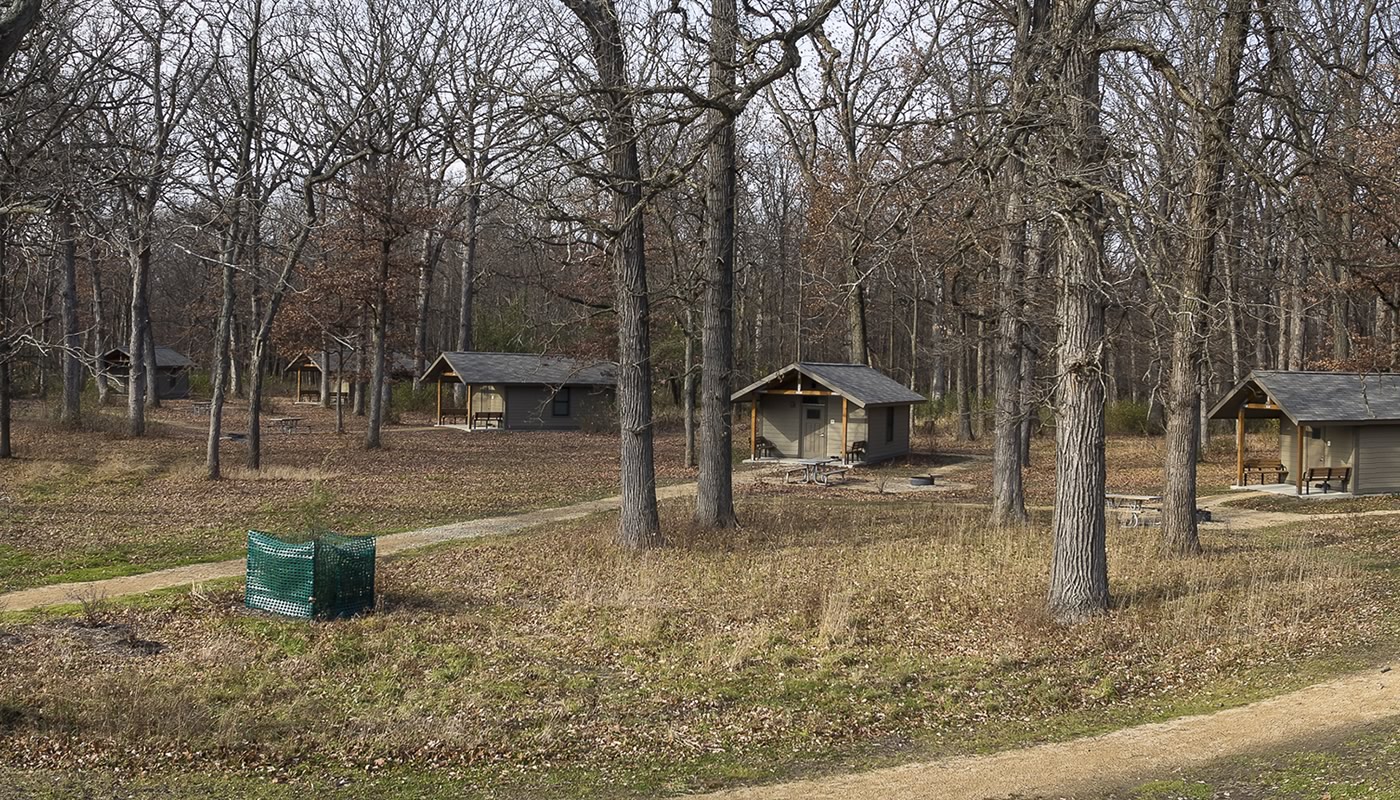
[(1252, 519), (388, 544), (1116, 759)]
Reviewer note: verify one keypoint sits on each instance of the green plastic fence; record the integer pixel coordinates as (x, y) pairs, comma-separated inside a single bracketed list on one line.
[(329, 576)]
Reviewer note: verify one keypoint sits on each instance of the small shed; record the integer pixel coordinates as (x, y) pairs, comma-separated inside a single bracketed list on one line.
[(521, 391), (815, 410), (172, 373), (310, 370), (1326, 420)]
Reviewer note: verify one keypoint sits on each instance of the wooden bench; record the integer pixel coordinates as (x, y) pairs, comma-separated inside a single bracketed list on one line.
[(856, 452), (1323, 477), (1261, 468), (448, 415), (489, 419), (762, 448), (826, 474)]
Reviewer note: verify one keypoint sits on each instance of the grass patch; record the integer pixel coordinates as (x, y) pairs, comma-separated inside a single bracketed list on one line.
[(822, 635)]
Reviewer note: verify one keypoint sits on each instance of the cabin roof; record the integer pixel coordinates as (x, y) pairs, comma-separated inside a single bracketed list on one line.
[(167, 357), (529, 369), (859, 383), (398, 363), (1357, 398)]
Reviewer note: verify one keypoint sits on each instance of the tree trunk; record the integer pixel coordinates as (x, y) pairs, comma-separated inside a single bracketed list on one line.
[(687, 399), (464, 315), (136, 377), (714, 499), (1192, 318), (99, 331), (6, 449), (432, 251), (325, 382), (17, 17), (378, 382), (148, 352), (223, 364), (1079, 566), (71, 410), (962, 379), (640, 523)]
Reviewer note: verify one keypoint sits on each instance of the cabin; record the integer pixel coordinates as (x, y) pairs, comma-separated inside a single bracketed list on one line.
[(172, 373), (851, 412), (521, 391), (1337, 431), (310, 370)]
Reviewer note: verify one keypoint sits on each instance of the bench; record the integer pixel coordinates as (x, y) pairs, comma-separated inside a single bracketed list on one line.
[(489, 419), (856, 452), (762, 448), (1323, 477), (826, 474), (448, 415), (1261, 468)]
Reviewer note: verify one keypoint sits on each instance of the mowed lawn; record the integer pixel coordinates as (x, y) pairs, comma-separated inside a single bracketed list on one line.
[(834, 630), (81, 505)]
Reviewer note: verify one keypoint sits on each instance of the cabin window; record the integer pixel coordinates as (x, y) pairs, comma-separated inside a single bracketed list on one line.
[(1316, 433), (889, 425), (814, 413), (561, 403)]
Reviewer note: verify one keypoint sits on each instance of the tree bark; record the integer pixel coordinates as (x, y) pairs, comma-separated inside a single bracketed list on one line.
[(378, 380), (136, 377), (640, 523), (1079, 566), (70, 413), (17, 17), (223, 365), (714, 499), (99, 331), (1191, 320)]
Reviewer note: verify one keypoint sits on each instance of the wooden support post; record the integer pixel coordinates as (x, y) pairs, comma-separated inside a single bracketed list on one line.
[(439, 399), (297, 399), (1239, 449), (753, 429), (470, 425), (845, 429), (1298, 463)]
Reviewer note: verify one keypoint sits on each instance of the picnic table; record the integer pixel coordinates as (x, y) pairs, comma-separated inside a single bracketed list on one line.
[(1135, 505), (200, 406), (816, 470), (290, 425)]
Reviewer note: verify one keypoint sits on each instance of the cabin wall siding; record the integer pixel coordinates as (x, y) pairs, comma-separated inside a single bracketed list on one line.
[(531, 407), (780, 422), (1378, 460), (876, 448)]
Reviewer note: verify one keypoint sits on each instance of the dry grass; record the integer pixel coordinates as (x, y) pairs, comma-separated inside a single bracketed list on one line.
[(82, 504), (823, 627)]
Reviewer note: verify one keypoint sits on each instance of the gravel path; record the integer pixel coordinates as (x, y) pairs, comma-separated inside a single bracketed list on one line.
[(1118, 759), (388, 544)]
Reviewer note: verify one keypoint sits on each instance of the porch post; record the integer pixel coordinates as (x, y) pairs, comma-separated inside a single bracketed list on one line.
[(1239, 448), (470, 425), (297, 399), (1298, 462), (753, 428), (439, 400), (845, 429)]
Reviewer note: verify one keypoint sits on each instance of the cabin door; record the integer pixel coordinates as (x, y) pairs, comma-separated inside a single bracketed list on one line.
[(813, 429)]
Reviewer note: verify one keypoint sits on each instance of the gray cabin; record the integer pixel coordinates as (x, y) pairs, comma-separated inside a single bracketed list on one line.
[(1342, 425), (521, 391), (812, 410), (172, 372)]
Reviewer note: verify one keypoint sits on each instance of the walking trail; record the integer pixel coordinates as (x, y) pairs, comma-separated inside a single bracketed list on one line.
[(388, 544), (1121, 758)]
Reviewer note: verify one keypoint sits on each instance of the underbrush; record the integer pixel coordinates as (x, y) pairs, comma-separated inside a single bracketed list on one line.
[(820, 630)]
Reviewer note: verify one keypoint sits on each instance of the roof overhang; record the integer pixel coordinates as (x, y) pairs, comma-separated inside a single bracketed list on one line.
[(753, 390), (1251, 397)]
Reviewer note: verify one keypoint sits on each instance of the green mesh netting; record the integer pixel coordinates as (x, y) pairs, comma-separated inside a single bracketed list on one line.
[(329, 576)]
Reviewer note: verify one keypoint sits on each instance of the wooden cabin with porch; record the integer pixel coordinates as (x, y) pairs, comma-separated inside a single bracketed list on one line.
[(807, 410), (1338, 431), (172, 372), (520, 391), (318, 375)]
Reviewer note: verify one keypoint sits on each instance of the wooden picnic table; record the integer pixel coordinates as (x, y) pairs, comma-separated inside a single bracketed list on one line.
[(289, 425), (1134, 504), (200, 406)]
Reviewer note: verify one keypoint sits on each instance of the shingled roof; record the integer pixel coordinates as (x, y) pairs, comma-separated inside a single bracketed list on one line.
[(522, 369), (398, 363), (861, 384), (1356, 398), (166, 357)]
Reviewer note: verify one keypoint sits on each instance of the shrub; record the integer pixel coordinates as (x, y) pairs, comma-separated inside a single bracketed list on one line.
[(1128, 417)]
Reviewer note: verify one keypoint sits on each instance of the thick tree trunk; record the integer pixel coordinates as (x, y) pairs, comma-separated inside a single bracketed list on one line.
[(432, 253), (325, 382), (858, 338), (1192, 313), (148, 352), (223, 364), (962, 378), (1079, 566), (99, 331), (464, 309), (687, 398), (714, 499), (71, 409), (640, 523), (17, 17)]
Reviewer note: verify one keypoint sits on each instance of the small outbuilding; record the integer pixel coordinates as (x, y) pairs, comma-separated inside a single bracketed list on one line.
[(521, 391), (172, 373), (814, 410), (1341, 429), (319, 375)]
